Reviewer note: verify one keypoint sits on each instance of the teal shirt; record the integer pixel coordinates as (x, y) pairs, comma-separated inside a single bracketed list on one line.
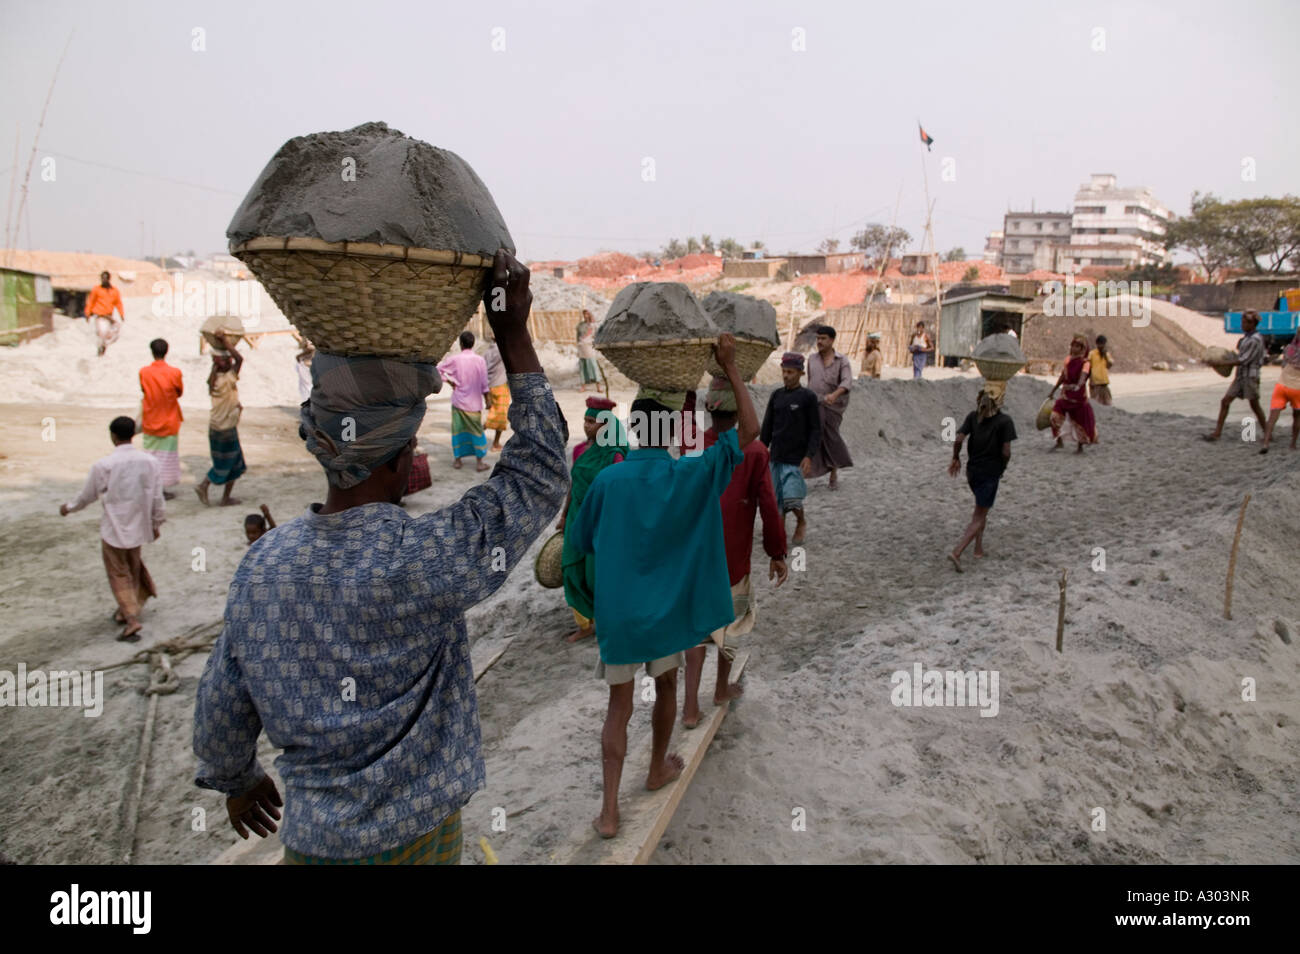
[(655, 525)]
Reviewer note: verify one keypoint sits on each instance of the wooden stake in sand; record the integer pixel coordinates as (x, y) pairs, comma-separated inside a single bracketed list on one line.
[(1060, 616), (1232, 559)]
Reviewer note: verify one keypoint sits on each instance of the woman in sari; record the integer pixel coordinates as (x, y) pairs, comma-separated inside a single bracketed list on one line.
[(1073, 402), (587, 351), (606, 444)]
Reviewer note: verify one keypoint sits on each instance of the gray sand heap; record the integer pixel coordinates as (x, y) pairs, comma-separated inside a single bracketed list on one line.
[(1000, 347), (655, 311), (405, 192), (743, 316)]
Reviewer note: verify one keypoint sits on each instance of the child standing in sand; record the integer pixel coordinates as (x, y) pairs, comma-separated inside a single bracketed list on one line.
[(991, 433)]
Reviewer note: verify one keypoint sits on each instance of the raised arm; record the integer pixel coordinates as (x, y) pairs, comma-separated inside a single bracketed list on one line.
[(746, 417)]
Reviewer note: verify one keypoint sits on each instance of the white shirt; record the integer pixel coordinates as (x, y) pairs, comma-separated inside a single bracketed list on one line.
[(130, 483)]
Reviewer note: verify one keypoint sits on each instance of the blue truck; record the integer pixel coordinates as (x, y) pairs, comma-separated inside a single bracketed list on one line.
[(1278, 326)]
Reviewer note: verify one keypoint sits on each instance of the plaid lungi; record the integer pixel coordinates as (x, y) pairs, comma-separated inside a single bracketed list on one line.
[(227, 456), (467, 438), (439, 847), (496, 419), (166, 450)]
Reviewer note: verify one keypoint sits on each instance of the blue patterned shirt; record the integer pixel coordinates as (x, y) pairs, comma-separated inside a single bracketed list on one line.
[(345, 639)]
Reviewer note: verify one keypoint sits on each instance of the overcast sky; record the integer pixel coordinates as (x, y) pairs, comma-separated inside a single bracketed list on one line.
[(750, 136)]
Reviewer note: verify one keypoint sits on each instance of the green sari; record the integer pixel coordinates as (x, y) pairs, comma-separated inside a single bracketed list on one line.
[(580, 568)]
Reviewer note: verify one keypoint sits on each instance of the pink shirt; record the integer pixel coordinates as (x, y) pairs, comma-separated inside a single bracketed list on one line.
[(468, 372)]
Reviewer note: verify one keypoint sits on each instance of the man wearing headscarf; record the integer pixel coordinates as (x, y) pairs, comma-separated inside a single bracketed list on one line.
[(654, 525), (749, 494), (991, 433), (606, 444), (874, 359), (792, 432), (345, 629)]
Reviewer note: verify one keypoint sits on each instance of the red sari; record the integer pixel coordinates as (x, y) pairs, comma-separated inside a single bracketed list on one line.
[(1073, 403)]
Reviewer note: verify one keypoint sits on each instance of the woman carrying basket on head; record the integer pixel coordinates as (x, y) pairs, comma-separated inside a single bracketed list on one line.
[(606, 444), (1073, 402)]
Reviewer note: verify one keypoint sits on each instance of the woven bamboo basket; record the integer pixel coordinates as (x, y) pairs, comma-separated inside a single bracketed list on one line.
[(750, 355), (994, 369), (1044, 419), (665, 365), (364, 298), (549, 566)]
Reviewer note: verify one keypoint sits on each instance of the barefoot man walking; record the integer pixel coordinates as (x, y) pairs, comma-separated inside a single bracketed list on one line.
[(750, 493), (223, 423), (655, 526), (792, 431), (129, 482), (830, 377), (1250, 358), (991, 433)]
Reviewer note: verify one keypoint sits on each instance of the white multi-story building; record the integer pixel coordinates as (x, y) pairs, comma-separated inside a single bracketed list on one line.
[(1114, 227), (1031, 239)]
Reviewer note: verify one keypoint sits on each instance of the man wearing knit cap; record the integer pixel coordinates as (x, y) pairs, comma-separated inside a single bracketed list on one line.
[(830, 377), (750, 493), (792, 432), (654, 524), (344, 631)]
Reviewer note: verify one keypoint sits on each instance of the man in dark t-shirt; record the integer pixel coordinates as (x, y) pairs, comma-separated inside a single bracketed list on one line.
[(792, 432), (991, 433)]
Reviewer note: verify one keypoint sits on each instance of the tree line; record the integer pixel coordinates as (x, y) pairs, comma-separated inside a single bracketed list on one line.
[(1258, 235)]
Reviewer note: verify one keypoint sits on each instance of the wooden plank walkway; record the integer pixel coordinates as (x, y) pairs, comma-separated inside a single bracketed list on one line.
[(644, 816)]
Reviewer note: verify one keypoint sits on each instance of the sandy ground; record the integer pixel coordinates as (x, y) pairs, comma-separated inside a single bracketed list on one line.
[(1142, 716)]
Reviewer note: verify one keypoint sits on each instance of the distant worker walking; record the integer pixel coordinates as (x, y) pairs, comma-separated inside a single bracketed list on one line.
[(920, 346), (160, 414), (873, 361), (102, 301), (587, 368), (498, 395), (1250, 358), (830, 377), (991, 433), (1286, 392), (223, 423), (1100, 360), (466, 372), (130, 486), (1073, 404), (792, 433)]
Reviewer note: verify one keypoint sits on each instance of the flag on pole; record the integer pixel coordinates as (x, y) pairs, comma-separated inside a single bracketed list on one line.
[(925, 138)]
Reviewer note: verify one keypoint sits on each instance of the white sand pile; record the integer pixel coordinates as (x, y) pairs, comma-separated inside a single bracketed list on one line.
[(403, 192), (62, 367)]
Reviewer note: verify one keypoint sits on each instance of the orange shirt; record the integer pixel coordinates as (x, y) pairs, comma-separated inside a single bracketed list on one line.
[(161, 384), (102, 301)]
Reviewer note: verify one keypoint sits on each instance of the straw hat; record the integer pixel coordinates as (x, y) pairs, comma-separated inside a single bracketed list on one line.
[(549, 568)]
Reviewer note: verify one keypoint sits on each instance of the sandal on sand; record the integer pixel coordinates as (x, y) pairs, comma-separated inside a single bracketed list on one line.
[(956, 564)]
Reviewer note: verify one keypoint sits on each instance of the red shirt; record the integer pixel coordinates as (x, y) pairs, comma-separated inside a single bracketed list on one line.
[(101, 301), (750, 491)]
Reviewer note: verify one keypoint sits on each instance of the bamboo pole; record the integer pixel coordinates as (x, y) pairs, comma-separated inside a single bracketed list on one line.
[(22, 199), (1060, 615), (880, 276), (1232, 559)]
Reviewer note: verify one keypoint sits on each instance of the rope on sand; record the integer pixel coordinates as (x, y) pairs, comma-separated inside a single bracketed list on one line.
[(163, 681)]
